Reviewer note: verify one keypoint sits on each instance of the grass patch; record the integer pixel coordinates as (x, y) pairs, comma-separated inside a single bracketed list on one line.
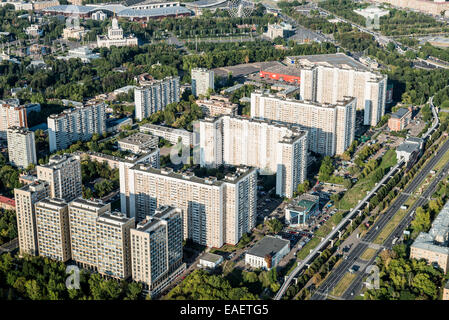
[(358, 191), (343, 284), (388, 229), (304, 252), (368, 254)]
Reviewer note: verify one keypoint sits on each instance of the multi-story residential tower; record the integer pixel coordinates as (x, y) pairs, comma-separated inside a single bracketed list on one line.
[(53, 232), (63, 173), (331, 127), (11, 115), (74, 124), (271, 147), (83, 216), (156, 247), (155, 96), (210, 206), (202, 81), (114, 245), (329, 78), (25, 198), (21, 147)]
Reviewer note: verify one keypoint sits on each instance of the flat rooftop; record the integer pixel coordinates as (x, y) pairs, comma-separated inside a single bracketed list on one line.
[(211, 257), (400, 113), (244, 69), (284, 70), (139, 139), (241, 172), (268, 245), (338, 60), (436, 240)]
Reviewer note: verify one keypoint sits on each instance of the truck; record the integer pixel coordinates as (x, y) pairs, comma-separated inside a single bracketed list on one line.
[(404, 207)]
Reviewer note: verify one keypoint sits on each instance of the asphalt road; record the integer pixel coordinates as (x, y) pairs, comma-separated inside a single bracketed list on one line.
[(357, 284), (357, 251)]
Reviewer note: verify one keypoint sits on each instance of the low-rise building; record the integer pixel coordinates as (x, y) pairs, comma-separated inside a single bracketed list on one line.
[(299, 211), (172, 135), (433, 246), (217, 105), (267, 253), (84, 53), (138, 143), (278, 30), (7, 203), (410, 150), (210, 260), (400, 119), (73, 33)]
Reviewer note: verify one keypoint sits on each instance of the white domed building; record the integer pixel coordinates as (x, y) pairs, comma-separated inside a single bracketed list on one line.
[(115, 37)]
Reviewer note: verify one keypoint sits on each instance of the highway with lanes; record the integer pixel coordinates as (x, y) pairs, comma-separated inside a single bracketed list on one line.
[(357, 284), (325, 241), (376, 229)]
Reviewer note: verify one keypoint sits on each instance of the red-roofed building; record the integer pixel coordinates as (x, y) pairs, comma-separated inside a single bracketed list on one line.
[(7, 203), (281, 73)]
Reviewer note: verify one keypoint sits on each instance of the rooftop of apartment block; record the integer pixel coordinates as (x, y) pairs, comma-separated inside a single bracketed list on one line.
[(437, 239), (188, 175), (336, 60), (345, 101), (52, 203), (114, 218)]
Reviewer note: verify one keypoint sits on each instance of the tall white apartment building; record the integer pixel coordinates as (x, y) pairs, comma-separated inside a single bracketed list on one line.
[(114, 245), (156, 247), (155, 96), (11, 115), (25, 199), (152, 158), (83, 216), (172, 135), (329, 78), (202, 81), (214, 211), (53, 232), (74, 124), (21, 147), (331, 127), (271, 147), (63, 173)]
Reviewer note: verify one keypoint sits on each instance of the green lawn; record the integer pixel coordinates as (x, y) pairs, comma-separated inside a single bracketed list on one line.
[(368, 254), (388, 229), (343, 284), (358, 191)]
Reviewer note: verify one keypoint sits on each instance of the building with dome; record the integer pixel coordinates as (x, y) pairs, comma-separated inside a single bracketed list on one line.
[(116, 37)]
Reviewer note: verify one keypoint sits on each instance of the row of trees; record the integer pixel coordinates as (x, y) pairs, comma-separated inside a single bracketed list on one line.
[(38, 278), (8, 226), (405, 279)]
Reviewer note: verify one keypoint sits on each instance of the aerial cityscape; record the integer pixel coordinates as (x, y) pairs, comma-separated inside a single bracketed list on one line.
[(223, 150)]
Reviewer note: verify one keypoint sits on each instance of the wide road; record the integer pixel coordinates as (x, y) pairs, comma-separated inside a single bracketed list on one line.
[(376, 229), (357, 284), (325, 241)]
